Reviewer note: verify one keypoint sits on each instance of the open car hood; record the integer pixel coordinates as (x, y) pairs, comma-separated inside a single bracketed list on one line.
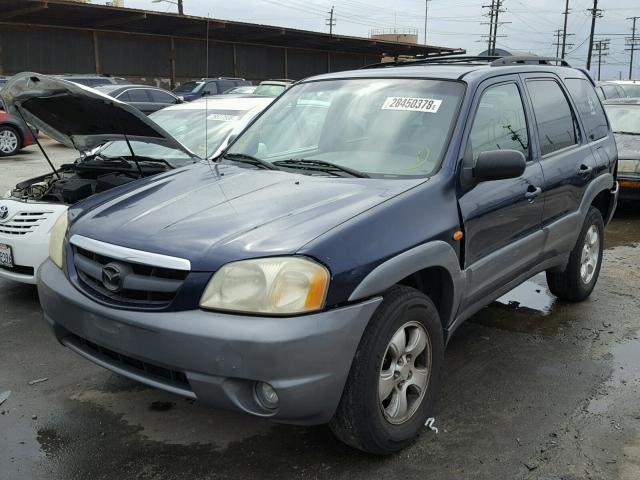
[(78, 116)]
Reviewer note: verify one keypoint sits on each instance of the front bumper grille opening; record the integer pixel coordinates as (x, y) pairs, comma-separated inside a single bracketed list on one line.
[(23, 223), (145, 369)]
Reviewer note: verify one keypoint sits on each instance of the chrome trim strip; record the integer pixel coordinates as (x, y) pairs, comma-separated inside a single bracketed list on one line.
[(130, 255)]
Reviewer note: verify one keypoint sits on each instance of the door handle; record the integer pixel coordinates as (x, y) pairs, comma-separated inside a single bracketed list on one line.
[(585, 169), (532, 192)]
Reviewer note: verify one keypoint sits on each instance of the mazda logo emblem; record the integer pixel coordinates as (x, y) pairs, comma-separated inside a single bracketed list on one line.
[(4, 212), (112, 277)]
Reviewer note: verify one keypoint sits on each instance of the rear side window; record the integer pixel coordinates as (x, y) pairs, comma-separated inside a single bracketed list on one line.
[(225, 85), (500, 122), (210, 88), (589, 107), (138, 95), (610, 91), (556, 124), (161, 97)]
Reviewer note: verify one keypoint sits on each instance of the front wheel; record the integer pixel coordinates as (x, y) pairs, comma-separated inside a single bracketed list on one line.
[(394, 377), (577, 282), (9, 141)]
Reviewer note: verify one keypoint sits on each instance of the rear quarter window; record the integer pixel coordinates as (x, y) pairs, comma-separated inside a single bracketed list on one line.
[(589, 107)]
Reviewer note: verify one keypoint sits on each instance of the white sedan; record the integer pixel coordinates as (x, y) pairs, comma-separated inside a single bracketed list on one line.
[(113, 153)]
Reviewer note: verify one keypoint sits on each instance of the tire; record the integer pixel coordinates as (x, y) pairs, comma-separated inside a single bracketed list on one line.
[(360, 420), (10, 142), (578, 280)]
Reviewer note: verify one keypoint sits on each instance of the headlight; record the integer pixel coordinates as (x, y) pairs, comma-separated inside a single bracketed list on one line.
[(56, 240), (276, 286)]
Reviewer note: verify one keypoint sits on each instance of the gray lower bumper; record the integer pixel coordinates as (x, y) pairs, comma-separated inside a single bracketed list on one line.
[(214, 357)]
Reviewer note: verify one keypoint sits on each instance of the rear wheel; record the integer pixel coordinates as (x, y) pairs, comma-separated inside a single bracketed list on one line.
[(9, 141), (579, 279), (394, 378)]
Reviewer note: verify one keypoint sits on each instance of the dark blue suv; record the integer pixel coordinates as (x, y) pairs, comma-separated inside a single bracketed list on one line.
[(316, 270)]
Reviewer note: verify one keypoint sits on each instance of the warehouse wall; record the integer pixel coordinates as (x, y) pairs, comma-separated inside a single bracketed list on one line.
[(159, 60)]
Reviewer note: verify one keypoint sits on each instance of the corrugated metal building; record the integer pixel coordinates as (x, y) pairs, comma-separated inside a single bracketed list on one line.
[(57, 36)]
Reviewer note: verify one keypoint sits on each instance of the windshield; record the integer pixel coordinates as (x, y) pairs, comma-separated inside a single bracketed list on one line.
[(187, 125), (380, 127), (624, 118), (631, 89), (269, 90), (187, 87)]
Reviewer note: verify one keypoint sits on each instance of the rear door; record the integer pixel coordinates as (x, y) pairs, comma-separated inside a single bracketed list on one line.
[(567, 160), (502, 218)]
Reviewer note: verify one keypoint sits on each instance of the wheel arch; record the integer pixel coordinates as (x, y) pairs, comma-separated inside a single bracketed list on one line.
[(433, 268)]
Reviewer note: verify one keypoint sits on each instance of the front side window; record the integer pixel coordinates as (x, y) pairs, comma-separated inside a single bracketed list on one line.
[(138, 95), (500, 122), (589, 107), (381, 127), (187, 87), (161, 97), (555, 120)]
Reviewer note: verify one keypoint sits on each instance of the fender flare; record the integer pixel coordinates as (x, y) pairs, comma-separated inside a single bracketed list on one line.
[(431, 254)]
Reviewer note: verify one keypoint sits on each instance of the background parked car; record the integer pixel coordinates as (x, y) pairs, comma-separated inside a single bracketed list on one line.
[(208, 86), (14, 133), (242, 90), (144, 98), (3, 80), (624, 115), (272, 88), (631, 87), (608, 90), (94, 80)]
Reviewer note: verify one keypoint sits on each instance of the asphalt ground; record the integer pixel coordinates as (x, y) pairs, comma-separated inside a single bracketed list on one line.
[(534, 388)]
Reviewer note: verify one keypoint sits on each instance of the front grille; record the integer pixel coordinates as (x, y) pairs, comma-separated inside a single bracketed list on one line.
[(23, 223), (19, 269), (143, 286), (146, 369)]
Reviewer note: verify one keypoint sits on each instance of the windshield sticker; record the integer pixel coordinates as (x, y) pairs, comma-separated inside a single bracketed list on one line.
[(222, 117), (412, 104)]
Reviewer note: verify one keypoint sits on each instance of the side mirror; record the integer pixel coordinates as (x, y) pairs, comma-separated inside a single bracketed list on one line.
[(180, 99), (499, 165)]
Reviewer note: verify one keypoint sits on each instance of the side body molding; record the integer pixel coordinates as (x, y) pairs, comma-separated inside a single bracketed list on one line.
[(390, 272)]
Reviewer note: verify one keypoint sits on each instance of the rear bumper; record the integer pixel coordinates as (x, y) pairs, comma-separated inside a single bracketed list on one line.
[(213, 357), (629, 186)]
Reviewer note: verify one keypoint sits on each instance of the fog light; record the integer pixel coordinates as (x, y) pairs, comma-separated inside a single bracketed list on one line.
[(267, 395)]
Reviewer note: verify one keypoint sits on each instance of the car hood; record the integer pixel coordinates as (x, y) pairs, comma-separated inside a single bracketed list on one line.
[(78, 116), (628, 146), (214, 214)]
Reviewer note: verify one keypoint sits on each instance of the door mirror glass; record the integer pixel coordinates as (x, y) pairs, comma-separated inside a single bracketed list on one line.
[(499, 165)]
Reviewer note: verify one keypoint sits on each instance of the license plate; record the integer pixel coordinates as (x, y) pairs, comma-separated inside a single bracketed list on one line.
[(6, 258)]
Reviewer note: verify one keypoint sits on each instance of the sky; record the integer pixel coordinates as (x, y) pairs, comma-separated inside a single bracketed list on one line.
[(529, 25)]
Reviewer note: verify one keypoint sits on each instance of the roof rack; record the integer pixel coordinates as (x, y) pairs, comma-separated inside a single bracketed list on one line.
[(494, 61)]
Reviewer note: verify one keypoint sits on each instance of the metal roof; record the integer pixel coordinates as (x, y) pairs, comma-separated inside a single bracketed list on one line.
[(60, 13)]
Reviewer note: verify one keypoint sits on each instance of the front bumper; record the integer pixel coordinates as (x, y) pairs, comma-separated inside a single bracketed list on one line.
[(214, 357), (31, 249), (629, 186)]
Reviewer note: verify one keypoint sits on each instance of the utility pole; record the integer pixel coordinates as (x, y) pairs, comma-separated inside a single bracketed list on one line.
[(595, 13), (495, 9), (632, 42), (564, 30), (557, 43), (180, 8), (426, 15), (330, 21), (602, 47)]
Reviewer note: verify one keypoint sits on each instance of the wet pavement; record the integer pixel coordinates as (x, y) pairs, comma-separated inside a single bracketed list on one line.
[(534, 388)]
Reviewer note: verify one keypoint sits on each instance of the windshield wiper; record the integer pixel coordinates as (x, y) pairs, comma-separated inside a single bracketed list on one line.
[(244, 158), (627, 133), (128, 158), (321, 166)]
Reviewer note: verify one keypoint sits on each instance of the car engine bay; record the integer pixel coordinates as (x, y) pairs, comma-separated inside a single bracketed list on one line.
[(86, 177)]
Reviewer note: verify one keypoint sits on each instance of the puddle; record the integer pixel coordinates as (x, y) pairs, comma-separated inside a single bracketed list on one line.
[(527, 309), (626, 373)]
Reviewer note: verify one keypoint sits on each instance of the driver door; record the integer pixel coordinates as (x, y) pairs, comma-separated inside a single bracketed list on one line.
[(502, 218)]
